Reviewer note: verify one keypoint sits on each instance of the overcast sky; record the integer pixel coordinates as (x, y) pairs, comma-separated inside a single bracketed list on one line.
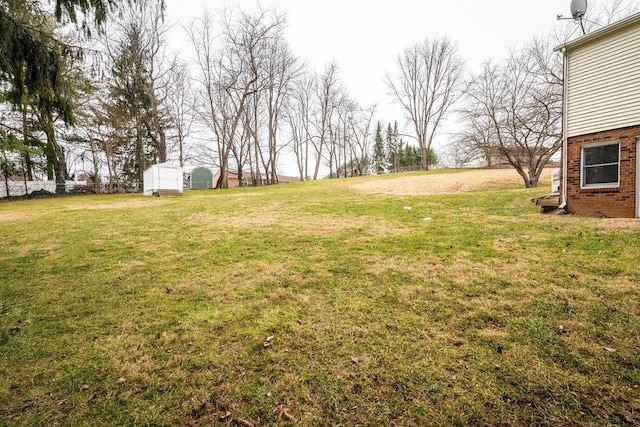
[(364, 37)]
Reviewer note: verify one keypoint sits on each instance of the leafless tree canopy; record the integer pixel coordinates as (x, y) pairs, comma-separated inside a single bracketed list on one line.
[(514, 108), (245, 100), (231, 73), (327, 126), (426, 86)]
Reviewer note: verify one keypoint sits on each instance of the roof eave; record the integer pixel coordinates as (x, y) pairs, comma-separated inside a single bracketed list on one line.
[(599, 33)]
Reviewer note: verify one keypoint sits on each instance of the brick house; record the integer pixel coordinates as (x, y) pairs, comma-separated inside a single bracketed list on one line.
[(601, 122)]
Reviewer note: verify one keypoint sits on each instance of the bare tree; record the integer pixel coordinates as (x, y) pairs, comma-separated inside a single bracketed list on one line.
[(343, 110), (600, 14), (281, 69), (360, 147), (327, 127), (253, 122), (427, 85), (230, 73), (156, 85), (516, 107), (476, 141), (181, 100), (327, 90), (299, 117)]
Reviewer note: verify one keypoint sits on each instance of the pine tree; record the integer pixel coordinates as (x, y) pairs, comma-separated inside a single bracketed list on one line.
[(135, 106), (31, 55), (392, 149), (31, 58), (379, 157)]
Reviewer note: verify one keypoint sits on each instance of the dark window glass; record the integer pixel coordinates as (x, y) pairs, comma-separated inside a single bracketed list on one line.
[(601, 164), (601, 154), (601, 174)]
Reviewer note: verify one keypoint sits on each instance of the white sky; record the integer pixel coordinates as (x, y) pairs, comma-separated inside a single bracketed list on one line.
[(364, 37)]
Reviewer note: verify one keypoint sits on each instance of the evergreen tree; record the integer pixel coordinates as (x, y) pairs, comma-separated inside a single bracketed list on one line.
[(8, 143), (392, 149), (37, 115), (31, 55), (379, 157), (128, 105), (432, 159), (135, 106)]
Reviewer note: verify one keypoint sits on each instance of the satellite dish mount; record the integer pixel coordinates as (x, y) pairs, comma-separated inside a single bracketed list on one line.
[(578, 10)]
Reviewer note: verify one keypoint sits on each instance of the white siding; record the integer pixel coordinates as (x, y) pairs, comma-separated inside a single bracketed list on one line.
[(604, 83)]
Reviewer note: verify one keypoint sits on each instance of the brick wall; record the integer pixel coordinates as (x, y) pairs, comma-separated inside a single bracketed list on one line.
[(608, 202)]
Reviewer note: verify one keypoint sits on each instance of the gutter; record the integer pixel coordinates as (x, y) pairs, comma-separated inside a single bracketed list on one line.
[(564, 49), (599, 33), (565, 91)]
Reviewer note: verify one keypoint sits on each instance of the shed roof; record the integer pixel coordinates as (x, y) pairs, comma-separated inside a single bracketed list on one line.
[(167, 165)]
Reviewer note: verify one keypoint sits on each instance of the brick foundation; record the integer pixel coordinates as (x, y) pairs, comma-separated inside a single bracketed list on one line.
[(617, 202)]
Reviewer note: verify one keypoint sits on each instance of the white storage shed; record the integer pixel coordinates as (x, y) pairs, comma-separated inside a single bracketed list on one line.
[(163, 179)]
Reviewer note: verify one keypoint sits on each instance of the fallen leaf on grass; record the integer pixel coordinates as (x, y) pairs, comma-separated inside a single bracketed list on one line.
[(121, 380), (609, 349), (355, 360), (84, 387), (267, 341), (282, 410), (244, 422)]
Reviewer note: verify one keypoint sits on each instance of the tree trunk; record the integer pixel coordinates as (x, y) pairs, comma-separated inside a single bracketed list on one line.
[(94, 161), (56, 167), (223, 179), (28, 164)]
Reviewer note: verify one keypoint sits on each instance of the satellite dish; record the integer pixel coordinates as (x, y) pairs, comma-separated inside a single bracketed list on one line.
[(578, 9)]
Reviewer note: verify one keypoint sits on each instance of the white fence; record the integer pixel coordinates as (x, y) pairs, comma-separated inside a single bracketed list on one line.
[(17, 188)]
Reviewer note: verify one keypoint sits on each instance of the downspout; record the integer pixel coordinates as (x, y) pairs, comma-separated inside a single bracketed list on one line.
[(565, 91)]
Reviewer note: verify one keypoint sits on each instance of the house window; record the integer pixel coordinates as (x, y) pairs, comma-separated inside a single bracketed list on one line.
[(601, 165)]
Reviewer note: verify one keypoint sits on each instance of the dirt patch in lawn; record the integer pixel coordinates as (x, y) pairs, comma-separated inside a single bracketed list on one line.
[(447, 183)]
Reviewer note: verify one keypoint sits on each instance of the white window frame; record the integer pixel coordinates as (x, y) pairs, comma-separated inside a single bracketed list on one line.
[(582, 166)]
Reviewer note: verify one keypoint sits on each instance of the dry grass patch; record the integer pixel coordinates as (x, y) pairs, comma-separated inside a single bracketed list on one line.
[(445, 183), (630, 224), (131, 201)]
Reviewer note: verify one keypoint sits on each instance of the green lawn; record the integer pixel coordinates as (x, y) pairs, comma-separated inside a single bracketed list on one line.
[(315, 304)]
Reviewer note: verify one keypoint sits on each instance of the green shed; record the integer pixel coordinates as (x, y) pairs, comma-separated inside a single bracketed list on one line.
[(201, 178)]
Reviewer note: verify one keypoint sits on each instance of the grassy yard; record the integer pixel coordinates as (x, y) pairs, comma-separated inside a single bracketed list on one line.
[(317, 304)]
